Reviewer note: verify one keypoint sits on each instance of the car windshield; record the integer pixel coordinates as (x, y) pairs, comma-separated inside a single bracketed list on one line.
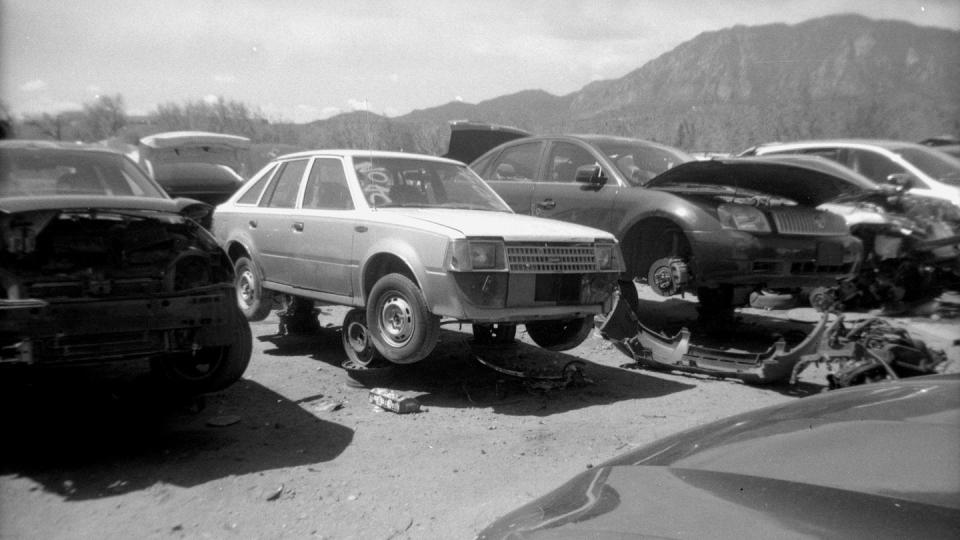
[(51, 172), (638, 163), (408, 182), (933, 163)]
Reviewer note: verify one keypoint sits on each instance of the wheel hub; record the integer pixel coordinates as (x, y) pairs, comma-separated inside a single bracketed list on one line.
[(245, 287), (396, 320)]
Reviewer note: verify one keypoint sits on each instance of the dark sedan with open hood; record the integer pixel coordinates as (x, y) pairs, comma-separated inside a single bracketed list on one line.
[(875, 461), (720, 228), (99, 265)]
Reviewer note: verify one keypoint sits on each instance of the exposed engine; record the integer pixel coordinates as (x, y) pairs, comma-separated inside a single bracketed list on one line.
[(55, 254), (911, 251)]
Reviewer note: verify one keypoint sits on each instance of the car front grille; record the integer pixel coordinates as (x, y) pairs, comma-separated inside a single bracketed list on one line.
[(807, 222), (554, 259)]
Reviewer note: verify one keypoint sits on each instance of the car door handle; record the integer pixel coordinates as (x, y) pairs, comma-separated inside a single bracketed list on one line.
[(253, 224), (360, 228), (547, 204), (298, 226)]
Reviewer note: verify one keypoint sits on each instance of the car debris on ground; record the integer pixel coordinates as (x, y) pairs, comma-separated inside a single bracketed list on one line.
[(871, 350)]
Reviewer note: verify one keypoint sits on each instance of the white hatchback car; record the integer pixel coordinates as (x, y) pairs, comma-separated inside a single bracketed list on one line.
[(411, 239), (924, 170)]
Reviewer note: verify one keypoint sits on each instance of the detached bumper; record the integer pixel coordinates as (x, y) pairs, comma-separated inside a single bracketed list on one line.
[(103, 330), (651, 349), (737, 258)]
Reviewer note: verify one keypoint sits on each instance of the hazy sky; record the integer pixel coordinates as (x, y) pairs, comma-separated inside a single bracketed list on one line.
[(301, 60)]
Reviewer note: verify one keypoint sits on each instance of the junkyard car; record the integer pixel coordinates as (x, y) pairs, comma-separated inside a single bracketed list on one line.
[(411, 239), (721, 228), (100, 265), (205, 166), (925, 171), (874, 461), (911, 243)]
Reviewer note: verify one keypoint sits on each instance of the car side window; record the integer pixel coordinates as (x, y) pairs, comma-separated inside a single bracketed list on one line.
[(517, 163), (564, 160), (327, 186), (283, 192), (252, 195), (873, 165)]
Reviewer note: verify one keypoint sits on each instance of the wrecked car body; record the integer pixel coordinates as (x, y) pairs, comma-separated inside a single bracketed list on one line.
[(99, 266), (720, 228), (911, 243)]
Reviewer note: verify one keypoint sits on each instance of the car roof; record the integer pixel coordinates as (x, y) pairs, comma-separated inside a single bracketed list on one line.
[(30, 144), (366, 153), (888, 144)]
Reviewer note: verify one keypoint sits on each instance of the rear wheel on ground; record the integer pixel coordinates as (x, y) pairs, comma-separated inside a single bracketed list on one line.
[(560, 335)]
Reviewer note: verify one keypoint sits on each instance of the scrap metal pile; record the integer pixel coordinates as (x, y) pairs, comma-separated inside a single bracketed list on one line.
[(911, 251), (868, 351)]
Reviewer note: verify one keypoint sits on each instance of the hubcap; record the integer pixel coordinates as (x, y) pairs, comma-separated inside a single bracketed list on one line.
[(396, 321), (246, 287)]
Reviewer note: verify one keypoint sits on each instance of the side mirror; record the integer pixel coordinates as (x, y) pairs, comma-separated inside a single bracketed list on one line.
[(902, 180), (592, 175)]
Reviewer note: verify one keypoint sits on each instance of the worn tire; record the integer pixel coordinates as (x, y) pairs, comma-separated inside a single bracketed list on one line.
[(401, 326), (252, 299), (494, 334), (560, 335), (210, 369)]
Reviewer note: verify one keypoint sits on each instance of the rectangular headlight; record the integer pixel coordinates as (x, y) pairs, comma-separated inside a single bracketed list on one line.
[(467, 255), (604, 254), (742, 218)]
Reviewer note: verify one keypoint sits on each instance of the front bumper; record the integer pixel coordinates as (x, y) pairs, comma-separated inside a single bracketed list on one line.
[(730, 257), (90, 331), (492, 297)]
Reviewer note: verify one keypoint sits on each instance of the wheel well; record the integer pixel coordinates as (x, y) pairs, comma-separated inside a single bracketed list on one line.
[(381, 265), (235, 251), (651, 239)]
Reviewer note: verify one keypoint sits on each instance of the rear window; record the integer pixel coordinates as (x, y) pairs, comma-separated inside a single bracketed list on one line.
[(31, 172)]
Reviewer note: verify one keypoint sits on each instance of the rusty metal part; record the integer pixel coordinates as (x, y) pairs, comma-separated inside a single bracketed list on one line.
[(540, 371)]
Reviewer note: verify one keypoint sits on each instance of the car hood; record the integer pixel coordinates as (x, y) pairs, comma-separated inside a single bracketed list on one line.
[(860, 462), (12, 205), (802, 184), (510, 227), (622, 502)]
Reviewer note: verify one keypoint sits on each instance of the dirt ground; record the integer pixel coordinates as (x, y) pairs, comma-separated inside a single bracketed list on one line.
[(295, 449)]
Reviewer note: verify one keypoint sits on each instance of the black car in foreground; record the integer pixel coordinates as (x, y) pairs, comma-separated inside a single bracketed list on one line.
[(874, 461), (99, 265)]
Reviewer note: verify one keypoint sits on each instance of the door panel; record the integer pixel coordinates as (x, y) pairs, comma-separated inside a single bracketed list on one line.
[(558, 196), (513, 172), (325, 240)]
